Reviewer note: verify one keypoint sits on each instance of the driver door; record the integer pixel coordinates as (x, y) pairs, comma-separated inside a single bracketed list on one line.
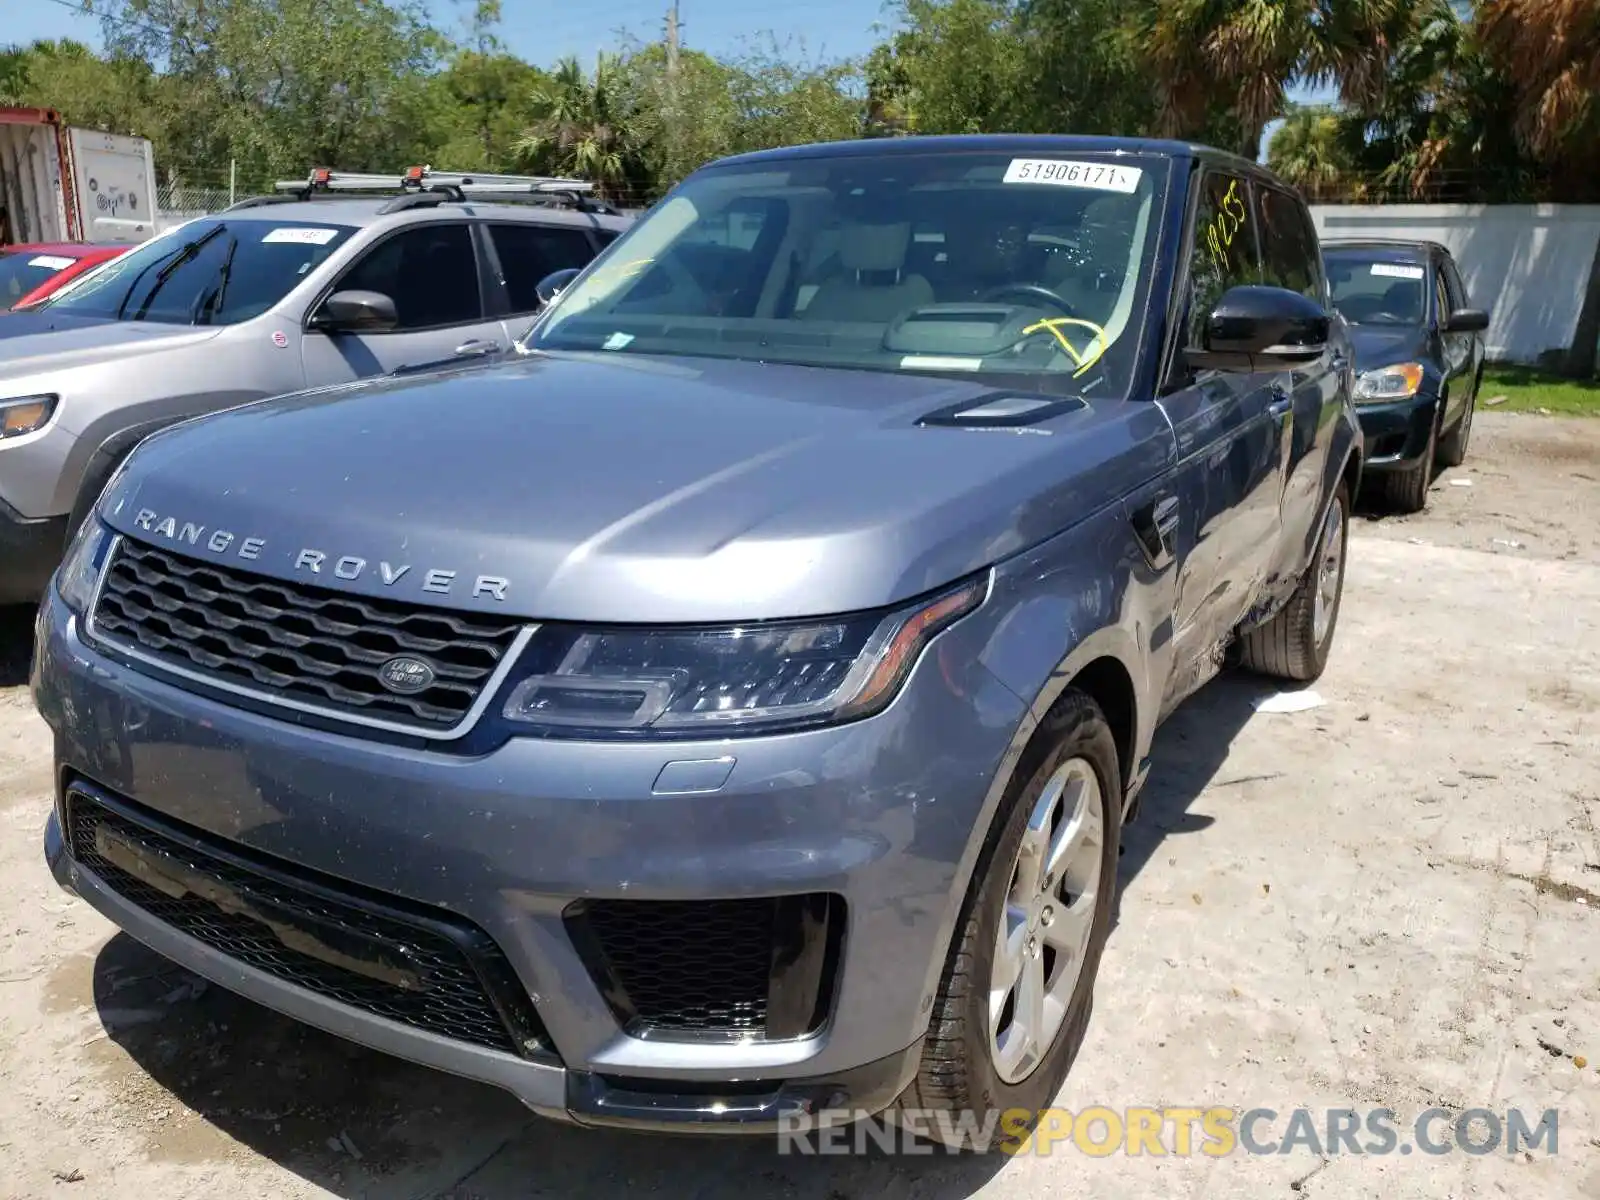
[(432, 273), (1229, 476)]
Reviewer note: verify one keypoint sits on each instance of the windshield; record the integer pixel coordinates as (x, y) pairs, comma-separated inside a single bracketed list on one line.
[(1377, 288), (1033, 270), (21, 272), (210, 272)]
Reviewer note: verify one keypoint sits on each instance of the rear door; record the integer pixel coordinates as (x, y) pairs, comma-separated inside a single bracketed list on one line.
[(1291, 258), (115, 180), (1229, 428), (520, 254), (432, 273)]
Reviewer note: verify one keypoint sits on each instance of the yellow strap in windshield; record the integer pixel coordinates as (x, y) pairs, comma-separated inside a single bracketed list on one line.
[(1083, 360)]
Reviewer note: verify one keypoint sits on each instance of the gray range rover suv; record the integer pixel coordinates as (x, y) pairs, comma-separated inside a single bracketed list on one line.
[(251, 303), (726, 715)]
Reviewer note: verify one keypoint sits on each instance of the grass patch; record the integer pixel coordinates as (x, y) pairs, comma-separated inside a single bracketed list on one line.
[(1528, 390)]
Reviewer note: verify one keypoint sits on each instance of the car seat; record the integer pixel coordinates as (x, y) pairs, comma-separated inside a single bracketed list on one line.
[(874, 285)]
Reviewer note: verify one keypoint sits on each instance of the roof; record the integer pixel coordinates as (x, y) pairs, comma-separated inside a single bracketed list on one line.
[(1004, 142), (361, 211), (1395, 246)]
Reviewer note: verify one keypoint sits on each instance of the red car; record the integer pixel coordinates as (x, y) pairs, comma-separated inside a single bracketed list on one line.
[(32, 271)]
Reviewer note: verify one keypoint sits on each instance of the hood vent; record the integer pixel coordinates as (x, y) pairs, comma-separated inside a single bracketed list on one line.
[(1006, 410)]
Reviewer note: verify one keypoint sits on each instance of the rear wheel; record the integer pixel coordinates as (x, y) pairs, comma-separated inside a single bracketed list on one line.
[(1017, 991), (1294, 645)]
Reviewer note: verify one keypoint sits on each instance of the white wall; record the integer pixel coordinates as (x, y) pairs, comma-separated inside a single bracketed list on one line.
[(1528, 264)]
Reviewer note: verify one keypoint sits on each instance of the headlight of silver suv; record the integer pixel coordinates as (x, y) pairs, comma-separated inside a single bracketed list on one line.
[(1383, 384), (80, 569), (711, 681), (21, 415)]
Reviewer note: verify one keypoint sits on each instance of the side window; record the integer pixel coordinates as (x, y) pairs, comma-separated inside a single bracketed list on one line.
[(1458, 290), (528, 253), (1441, 291), (429, 271), (1290, 254), (1225, 253)]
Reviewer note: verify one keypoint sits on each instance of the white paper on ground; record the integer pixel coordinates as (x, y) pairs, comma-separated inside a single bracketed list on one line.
[(1289, 702)]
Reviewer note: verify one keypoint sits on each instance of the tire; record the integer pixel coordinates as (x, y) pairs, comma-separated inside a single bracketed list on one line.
[(1291, 646), (1407, 491), (961, 1070), (1453, 446)]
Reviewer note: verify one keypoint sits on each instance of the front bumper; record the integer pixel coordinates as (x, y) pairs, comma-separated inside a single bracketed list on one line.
[(881, 814), (30, 551), (1395, 436)]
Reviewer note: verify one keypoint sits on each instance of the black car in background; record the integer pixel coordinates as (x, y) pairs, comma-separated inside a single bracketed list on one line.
[(1419, 360)]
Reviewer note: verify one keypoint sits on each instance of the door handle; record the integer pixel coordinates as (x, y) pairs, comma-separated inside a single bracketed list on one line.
[(477, 348), (1156, 527), (1280, 404)]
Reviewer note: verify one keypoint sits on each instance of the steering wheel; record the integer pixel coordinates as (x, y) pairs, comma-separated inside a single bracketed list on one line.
[(1032, 291)]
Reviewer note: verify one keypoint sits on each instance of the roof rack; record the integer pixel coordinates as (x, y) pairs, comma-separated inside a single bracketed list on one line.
[(421, 186)]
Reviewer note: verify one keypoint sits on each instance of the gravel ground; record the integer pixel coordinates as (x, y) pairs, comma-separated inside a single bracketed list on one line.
[(1384, 901)]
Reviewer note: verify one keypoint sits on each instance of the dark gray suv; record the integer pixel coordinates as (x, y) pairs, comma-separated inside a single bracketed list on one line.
[(726, 715)]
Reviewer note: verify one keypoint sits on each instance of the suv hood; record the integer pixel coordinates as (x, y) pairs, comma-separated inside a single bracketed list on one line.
[(639, 489), (1380, 345), (31, 342)]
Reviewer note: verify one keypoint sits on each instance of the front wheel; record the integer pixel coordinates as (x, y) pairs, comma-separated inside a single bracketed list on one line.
[(1014, 1002), (1294, 645)]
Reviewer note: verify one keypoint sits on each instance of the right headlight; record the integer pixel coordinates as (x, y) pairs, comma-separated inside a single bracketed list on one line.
[(1382, 384), (721, 680)]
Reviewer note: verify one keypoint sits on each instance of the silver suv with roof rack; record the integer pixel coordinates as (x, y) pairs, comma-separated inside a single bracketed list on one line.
[(327, 281)]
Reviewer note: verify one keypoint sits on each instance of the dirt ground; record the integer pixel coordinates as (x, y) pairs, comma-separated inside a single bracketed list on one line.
[(1384, 901)]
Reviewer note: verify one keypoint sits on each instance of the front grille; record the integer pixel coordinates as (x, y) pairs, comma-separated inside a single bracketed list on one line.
[(434, 973), (687, 968), (318, 647)]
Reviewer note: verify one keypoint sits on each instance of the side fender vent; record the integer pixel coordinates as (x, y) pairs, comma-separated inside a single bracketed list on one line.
[(1006, 411)]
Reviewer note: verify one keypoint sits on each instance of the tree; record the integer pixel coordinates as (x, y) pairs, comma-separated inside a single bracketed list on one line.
[(1306, 150), (578, 124)]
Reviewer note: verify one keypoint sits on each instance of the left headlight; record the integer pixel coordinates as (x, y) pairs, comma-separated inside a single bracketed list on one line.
[(714, 681), (1382, 384), (80, 569), (21, 415)]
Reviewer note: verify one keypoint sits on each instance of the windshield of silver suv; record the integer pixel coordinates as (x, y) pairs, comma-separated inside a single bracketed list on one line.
[(1031, 269), (210, 272), (1377, 287)]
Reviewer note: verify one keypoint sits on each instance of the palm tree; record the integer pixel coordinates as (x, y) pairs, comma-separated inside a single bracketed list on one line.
[(578, 127), (1235, 58), (1306, 151)]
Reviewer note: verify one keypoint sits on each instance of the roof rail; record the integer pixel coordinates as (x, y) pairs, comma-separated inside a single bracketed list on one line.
[(258, 201), (455, 187)]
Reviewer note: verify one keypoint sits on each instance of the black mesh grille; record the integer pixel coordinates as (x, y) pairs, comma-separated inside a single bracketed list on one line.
[(434, 976), (755, 967), (283, 639)]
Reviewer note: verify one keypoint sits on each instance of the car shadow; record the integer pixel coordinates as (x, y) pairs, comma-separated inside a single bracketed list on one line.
[(358, 1123), (16, 645)]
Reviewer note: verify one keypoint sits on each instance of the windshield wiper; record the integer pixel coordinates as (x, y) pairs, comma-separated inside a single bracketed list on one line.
[(210, 303), (189, 250)]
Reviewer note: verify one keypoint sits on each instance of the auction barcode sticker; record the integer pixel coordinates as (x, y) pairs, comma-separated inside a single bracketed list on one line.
[(304, 235), (1397, 270), (1105, 177), (51, 262)]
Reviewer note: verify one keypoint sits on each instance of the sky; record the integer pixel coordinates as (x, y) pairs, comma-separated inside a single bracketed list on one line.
[(543, 31)]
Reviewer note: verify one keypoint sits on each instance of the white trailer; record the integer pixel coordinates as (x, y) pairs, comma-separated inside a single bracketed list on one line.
[(59, 184)]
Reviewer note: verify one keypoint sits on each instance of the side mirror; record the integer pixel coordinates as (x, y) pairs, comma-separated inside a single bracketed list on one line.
[(553, 284), (1467, 320), (1254, 328), (356, 312)]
